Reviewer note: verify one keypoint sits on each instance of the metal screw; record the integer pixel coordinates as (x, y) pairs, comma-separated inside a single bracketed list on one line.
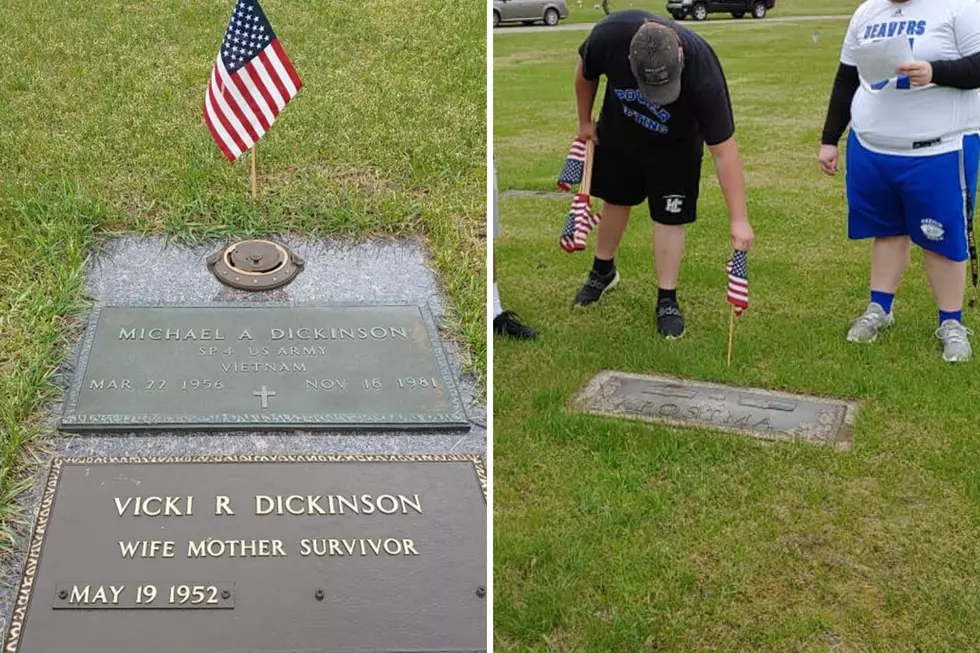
[(318, 595), (481, 591), (63, 594), (225, 594)]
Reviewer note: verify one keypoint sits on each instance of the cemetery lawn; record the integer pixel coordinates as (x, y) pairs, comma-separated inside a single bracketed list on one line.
[(628, 537), (591, 10), (102, 132)]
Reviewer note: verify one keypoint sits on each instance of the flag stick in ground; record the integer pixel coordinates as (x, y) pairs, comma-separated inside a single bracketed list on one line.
[(254, 147)]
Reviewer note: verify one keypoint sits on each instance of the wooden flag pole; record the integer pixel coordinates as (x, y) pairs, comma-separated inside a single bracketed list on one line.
[(731, 334), (586, 186), (254, 147)]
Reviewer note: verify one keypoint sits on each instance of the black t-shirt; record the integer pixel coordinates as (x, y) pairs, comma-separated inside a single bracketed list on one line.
[(702, 113)]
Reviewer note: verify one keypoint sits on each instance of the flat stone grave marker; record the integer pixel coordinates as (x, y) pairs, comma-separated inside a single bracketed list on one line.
[(234, 366), (758, 413), (308, 553)]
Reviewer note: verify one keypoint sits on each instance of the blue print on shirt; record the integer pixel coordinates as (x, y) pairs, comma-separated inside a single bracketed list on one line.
[(895, 28), (657, 123)]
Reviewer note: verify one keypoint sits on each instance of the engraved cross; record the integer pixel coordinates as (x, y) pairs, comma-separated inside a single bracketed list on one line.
[(265, 393)]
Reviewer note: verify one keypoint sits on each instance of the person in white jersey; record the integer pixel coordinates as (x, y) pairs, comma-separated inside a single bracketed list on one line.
[(912, 154)]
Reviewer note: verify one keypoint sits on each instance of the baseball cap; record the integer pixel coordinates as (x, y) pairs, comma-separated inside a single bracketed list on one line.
[(656, 64)]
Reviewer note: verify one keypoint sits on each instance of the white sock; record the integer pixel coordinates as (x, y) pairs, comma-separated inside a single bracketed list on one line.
[(497, 308)]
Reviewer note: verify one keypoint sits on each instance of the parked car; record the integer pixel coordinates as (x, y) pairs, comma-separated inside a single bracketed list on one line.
[(699, 9), (529, 11)]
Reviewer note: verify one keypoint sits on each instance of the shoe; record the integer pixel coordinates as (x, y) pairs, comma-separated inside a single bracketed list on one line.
[(509, 324), (670, 322), (866, 327), (595, 287), (956, 346)]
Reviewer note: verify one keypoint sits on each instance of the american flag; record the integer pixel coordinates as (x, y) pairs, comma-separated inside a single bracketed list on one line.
[(738, 282), (579, 223), (251, 83), (567, 239), (574, 166)]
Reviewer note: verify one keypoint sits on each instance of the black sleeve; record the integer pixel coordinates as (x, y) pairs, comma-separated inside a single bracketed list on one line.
[(960, 73), (712, 103), (839, 112), (593, 52)]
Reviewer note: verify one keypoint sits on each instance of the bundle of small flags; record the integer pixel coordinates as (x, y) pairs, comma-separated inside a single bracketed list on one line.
[(580, 220), (579, 223), (738, 282), (574, 166)]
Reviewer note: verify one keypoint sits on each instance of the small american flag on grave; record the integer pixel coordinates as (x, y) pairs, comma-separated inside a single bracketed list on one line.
[(738, 282), (251, 83)]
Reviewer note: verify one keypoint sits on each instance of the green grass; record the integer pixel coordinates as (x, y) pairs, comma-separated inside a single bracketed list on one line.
[(101, 131), (618, 536), (589, 11)]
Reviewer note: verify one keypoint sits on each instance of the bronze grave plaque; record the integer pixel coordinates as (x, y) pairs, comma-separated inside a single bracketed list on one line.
[(272, 554), (234, 366), (758, 413)]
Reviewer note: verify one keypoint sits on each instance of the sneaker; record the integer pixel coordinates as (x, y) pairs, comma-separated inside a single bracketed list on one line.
[(956, 346), (595, 287), (509, 324), (670, 322), (866, 327)]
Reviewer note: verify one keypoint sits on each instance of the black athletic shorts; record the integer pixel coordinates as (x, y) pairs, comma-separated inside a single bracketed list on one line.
[(669, 180)]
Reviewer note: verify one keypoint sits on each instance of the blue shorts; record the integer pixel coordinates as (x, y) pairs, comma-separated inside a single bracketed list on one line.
[(927, 198)]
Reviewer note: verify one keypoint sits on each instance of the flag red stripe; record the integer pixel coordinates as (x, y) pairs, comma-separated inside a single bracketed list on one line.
[(287, 64), (233, 87), (274, 75), (259, 69), (268, 109), (220, 103), (217, 137), (219, 131), (236, 109), (263, 91), (224, 121), (250, 101), (281, 73)]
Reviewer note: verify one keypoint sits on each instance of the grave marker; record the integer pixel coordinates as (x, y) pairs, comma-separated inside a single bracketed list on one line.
[(233, 366), (273, 553), (747, 411)]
